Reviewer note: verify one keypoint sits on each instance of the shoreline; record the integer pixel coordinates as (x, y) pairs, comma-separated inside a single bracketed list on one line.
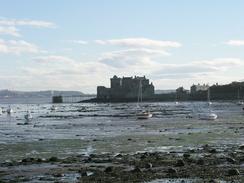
[(200, 164)]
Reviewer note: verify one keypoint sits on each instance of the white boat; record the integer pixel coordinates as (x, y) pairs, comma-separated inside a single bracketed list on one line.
[(142, 114), (9, 110), (53, 108), (28, 116), (239, 102), (1, 111), (208, 116), (209, 102)]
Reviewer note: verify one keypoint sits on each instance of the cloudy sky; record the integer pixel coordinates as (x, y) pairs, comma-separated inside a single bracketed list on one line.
[(78, 44)]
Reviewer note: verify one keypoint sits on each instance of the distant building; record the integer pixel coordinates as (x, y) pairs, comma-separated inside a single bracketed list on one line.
[(198, 87), (126, 88)]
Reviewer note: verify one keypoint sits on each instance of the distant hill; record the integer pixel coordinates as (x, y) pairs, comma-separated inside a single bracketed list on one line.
[(26, 94)]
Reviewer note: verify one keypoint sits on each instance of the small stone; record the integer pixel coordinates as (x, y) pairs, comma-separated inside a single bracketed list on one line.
[(213, 181), (39, 160), (26, 160), (53, 159), (59, 175), (233, 172), (241, 147), (192, 151), (212, 151), (172, 171), (231, 160), (180, 163), (108, 169), (119, 156), (148, 165), (200, 162), (136, 170), (186, 155), (84, 174)]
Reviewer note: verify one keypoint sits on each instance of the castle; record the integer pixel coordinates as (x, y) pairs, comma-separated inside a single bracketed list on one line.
[(126, 88)]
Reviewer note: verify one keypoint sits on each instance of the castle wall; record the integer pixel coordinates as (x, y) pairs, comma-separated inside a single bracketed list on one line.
[(126, 88)]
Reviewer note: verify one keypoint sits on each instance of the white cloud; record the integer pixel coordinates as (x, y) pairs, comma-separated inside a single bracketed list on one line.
[(53, 59), (26, 22), (61, 72), (203, 66), (235, 42), (17, 47), (100, 42), (78, 42), (140, 42), (9, 30), (130, 57)]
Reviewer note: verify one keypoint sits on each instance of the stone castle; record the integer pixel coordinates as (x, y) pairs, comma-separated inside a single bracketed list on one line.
[(126, 88)]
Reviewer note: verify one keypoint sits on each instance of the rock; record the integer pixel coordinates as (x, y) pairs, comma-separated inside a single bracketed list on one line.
[(186, 155), (39, 160), (53, 159), (58, 175), (92, 155), (231, 160), (83, 174), (172, 171), (148, 165), (206, 146), (233, 172), (212, 151), (200, 162), (214, 181), (26, 160), (136, 170), (119, 156), (241, 147), (88, 160), (180, 163), (108, 169), (192, 151)]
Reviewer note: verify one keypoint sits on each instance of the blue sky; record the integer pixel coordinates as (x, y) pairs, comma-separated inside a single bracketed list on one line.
[(77, 45)]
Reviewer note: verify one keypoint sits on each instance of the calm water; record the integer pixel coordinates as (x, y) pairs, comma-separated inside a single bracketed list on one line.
[(87, 128)]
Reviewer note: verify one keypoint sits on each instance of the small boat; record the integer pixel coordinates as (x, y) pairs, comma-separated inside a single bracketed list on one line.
[(1, 111), (208, 116), (9, 110), (53, 108), (28, 116), (209, 102), (144, 115), (240, 103)]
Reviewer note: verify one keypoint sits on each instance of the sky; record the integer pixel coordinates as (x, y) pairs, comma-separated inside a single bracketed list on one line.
[(81, 44)]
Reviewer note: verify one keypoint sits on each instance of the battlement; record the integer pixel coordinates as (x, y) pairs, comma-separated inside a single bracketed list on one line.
[(126, 88)]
